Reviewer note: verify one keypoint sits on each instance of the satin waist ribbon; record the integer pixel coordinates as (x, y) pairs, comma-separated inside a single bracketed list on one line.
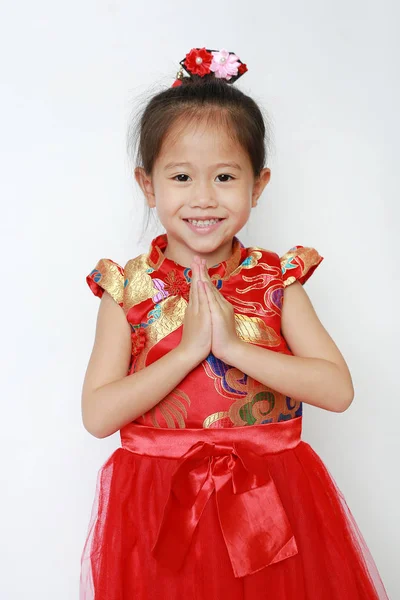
[(232, 463)]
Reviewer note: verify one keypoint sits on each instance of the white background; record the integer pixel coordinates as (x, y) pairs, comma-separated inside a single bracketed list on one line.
[(71, 73)]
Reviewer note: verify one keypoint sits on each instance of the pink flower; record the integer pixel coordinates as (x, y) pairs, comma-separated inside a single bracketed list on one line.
[(224, 65)]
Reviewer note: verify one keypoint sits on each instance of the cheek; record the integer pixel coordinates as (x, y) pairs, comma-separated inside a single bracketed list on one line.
[(168, 199), (240, 195)]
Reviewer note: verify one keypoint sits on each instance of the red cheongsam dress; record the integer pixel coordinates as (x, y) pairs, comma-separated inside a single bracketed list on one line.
[(213, 494)]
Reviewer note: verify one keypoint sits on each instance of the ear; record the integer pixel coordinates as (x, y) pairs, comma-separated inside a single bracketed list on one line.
[(146, 185), (259, 185)]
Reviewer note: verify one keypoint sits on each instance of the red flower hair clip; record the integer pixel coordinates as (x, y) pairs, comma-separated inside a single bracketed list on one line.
[(202, 61)]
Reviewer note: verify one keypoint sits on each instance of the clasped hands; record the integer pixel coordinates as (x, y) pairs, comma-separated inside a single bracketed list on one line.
[(215, 313)]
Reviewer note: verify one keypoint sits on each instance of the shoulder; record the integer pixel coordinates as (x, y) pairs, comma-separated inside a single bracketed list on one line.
[(299, 263), (108, 276), (300, 324), (138, 281), (256, 255), (137, 265)]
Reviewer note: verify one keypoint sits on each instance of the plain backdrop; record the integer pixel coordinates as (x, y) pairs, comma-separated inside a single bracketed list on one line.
[(327, 75)]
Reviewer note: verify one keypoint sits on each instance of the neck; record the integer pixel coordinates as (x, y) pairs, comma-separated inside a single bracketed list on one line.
[(183, 255)]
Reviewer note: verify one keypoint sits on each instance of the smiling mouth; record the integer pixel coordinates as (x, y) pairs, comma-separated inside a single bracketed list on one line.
[(204, 220), (203, 226)]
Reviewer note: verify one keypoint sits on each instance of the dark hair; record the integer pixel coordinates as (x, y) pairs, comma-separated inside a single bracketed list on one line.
[(199, 98)]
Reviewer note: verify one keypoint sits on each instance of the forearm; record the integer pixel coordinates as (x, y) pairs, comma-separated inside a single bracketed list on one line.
[(311, 380), (115, 404)]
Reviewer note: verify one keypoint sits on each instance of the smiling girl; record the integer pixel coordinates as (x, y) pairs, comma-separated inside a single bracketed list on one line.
[(205, 351)]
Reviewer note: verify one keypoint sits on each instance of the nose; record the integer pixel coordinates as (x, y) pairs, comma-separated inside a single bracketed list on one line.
[(203, 194)]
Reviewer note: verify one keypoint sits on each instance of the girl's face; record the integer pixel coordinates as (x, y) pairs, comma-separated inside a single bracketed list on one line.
[(201, 173)]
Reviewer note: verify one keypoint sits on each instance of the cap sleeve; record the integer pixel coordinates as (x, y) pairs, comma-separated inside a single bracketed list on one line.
[(298, 264), (107, 275)]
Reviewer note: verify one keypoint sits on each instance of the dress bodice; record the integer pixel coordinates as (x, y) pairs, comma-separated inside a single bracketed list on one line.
[(153, 292)]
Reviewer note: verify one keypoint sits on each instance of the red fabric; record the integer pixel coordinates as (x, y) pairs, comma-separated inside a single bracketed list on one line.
[(299, 263), (213, 494), (234, 470), (252, 280), (148, 491), (107, 275)]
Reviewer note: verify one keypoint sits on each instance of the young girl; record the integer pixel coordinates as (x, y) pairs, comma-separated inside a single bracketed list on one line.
[(204, 352)]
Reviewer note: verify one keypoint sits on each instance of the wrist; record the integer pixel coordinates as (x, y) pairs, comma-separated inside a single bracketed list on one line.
[(233, 352), (185, 358)]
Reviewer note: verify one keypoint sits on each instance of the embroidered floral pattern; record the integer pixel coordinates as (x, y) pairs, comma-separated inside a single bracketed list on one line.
[(252, 403), (171, 410), (176, 285), (289, 265), (161, 291), (154, 291), (95, 275), (298, 264), (107, 275)]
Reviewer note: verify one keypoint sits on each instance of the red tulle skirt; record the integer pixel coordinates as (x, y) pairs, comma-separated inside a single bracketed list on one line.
[(208, 514)]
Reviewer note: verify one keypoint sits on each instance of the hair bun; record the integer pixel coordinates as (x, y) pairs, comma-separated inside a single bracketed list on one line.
[(206, 64)]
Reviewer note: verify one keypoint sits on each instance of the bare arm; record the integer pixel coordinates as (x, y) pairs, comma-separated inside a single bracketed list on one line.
[(110, 398), (317, 374)]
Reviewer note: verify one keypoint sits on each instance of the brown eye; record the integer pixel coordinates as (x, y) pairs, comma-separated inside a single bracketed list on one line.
[(225, 175), (181, 175)]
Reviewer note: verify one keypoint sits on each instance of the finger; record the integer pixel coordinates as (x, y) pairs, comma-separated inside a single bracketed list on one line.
[(199, 263), (194, 294), (202, 295), (206, 274), (192, 278), (211, 295), (216, 293), (204, 271)]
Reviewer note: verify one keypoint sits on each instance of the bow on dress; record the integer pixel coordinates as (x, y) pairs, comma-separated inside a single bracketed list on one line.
[(253, 521)]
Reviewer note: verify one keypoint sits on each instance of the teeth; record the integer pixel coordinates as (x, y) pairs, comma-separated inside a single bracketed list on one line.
[(203, 223)]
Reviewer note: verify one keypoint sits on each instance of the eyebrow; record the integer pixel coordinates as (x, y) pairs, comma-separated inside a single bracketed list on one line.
[(188, 164)]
